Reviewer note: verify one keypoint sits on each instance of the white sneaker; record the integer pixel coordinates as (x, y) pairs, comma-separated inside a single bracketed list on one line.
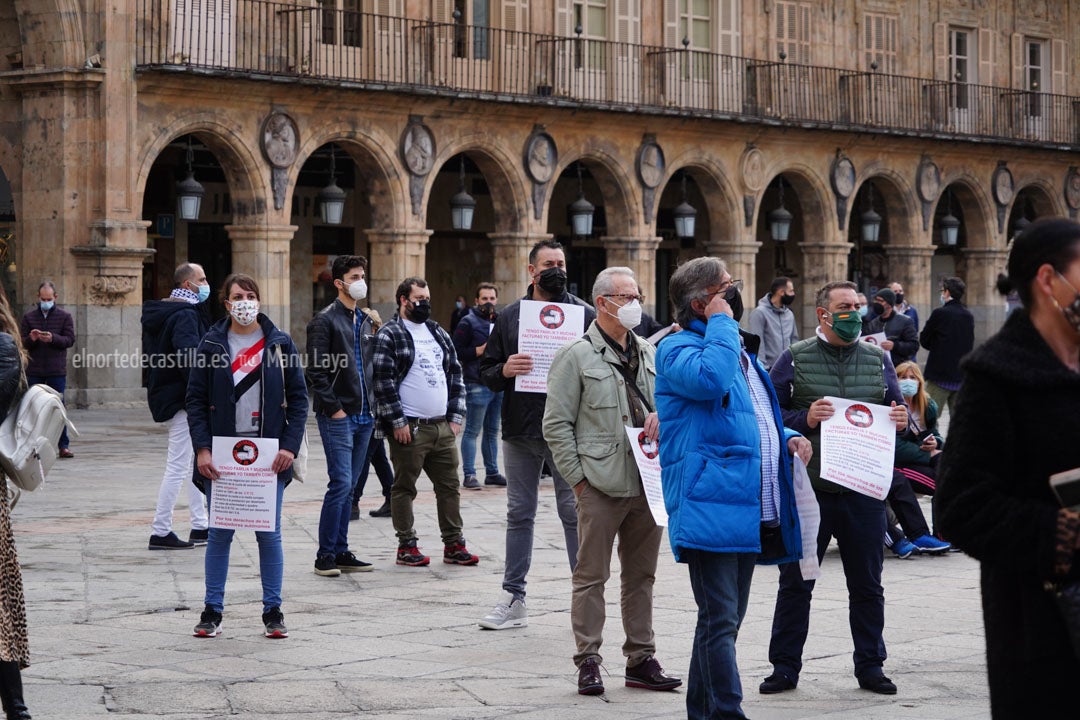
[(508, 613)]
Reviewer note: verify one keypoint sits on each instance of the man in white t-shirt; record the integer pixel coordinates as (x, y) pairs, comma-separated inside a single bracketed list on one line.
[(420, 408)]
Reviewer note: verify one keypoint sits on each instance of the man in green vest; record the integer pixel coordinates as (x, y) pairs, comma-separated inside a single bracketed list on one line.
[(835, 363)]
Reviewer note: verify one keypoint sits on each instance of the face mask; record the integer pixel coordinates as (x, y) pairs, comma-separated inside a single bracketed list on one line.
[(459, 305), (734, 300), (204, 292), (881, 308), (244, 311), (487, 310), (899, 298), (847, 325), (420, 311), (552, 281), (909, 387), (863, 310), (629, 315), (943, 298), (787, 299), (47, 305), (1072, 310), (358, 290)]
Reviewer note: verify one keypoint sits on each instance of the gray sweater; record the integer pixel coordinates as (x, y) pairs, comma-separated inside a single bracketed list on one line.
[(776, 328)]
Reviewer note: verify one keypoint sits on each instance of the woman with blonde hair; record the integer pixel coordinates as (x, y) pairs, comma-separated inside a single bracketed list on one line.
[(14, 645), (917, 449)]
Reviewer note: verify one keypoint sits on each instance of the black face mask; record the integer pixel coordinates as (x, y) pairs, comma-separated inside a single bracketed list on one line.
[(487, 310), (420, 311), (899, 298), (734, 299), (552, 281), (787, 299)]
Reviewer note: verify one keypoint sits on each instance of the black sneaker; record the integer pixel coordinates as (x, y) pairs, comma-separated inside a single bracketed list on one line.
[(496, 480), (275, 624), (209, 623), (199, 537), (878, 684), (382, 511), (347, 562), (168, 542), (354, 513), (326, 566)]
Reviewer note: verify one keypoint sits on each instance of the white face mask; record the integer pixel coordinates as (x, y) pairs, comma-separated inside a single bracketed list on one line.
[(629, 315), (358, 290), (244, 311)]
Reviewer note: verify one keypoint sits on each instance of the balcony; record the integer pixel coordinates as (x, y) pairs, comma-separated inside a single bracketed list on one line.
[(289, 41)]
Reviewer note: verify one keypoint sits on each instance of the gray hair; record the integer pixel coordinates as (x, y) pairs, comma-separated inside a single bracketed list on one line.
[(48, 284), (690, 282), (823, 295), (604, 284)]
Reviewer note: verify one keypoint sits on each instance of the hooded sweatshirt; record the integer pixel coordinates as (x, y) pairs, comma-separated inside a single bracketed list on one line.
[(776, 328), (171, 329)]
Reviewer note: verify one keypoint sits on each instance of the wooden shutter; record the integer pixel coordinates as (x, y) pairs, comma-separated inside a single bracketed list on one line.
[(1018, 80), (728, 32), (671, 24), (442, 11), (1059, 73), (986, 56), (627, 21), (515, 15), (564, 18), (941, 51), (802, 33)]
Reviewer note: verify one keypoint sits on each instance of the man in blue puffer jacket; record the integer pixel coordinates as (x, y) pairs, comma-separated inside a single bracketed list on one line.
[(726, 462)]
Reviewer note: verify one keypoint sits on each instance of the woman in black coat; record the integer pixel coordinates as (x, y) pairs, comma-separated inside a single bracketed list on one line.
[(1017, 422)]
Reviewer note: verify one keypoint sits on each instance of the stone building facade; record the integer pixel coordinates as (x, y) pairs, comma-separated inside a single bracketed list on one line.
[(916, 110)]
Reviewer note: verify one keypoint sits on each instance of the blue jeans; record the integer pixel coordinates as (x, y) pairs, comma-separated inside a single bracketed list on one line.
[(57, 383), (524, 460), (345, 443), (271, 560), (377, 460), (858, 523), (483, 408), (721, 584)]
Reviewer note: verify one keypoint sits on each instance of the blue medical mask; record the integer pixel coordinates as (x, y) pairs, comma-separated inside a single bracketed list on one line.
[(909, 387), (204, 292), (863, 309), (47, 305)]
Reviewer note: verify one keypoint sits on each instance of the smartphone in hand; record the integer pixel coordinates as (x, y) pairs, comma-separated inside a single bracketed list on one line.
[(1066, 487)]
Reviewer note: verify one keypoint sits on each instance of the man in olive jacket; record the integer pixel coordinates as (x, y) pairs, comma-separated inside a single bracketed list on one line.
[(598, 385)]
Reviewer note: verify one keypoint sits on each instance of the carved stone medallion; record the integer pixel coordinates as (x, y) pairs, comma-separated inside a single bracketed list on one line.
[(753, 169), (843, 176), (650, 164), (928, 181), (1002, 185), (418, 148), (280, 139), (541, 157)]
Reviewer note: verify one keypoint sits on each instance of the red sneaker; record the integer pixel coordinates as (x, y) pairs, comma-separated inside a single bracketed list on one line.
[(458, 554), (410, 555)]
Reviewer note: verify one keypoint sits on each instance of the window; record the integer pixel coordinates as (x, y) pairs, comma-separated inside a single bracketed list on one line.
[(879, 42), (1034, 65), (792, 31), (478, 17), (341, 22), (960, 67), (592, 17)]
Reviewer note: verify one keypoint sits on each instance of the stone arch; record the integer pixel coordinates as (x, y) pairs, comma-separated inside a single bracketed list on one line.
[(388, 189), (1046, 198), (51, 32), (811, 189), (244, 171), (979, 211), (500, 170), (621, 207), (902, 215), (719, 194)]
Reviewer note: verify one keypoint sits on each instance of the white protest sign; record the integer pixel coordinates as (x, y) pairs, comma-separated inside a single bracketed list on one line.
[(857, 446), (806, 505), (875, 339), (244, 497), (543, 328), (647, 456)]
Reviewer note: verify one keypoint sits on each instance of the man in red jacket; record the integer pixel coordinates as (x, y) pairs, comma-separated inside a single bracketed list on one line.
[(47, 333)]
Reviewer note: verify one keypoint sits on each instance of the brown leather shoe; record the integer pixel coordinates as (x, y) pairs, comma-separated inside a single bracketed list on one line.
[(589, 681), (650, 676), (65, 453)]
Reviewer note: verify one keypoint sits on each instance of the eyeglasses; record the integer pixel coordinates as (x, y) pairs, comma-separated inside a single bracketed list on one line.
[(726, 289), (627, 298)]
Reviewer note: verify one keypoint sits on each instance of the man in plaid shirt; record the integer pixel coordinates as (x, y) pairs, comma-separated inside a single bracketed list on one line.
[(420, 408)]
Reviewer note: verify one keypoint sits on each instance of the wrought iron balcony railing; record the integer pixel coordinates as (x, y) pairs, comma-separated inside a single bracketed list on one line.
[(310, 43)]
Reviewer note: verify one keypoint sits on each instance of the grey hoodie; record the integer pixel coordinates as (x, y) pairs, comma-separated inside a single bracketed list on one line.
[(776, 328)]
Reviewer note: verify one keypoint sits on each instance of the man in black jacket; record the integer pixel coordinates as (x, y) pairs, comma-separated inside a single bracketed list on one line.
[(524, 447), (902, 342), (171, 330), (340, 343), (949, 335)]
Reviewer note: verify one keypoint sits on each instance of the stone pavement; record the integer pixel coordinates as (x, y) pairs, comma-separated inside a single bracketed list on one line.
[(110, 622)]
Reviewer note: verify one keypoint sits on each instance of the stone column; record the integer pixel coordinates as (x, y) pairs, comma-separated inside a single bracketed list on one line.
[(823, 262), (638, 254), (511, 262), (981, 268), (105, 364), (740, 256), (393, 255), (262, 251), (910, 266)]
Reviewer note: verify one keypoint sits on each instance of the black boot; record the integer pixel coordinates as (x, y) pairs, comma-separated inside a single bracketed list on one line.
[(11, 692)]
